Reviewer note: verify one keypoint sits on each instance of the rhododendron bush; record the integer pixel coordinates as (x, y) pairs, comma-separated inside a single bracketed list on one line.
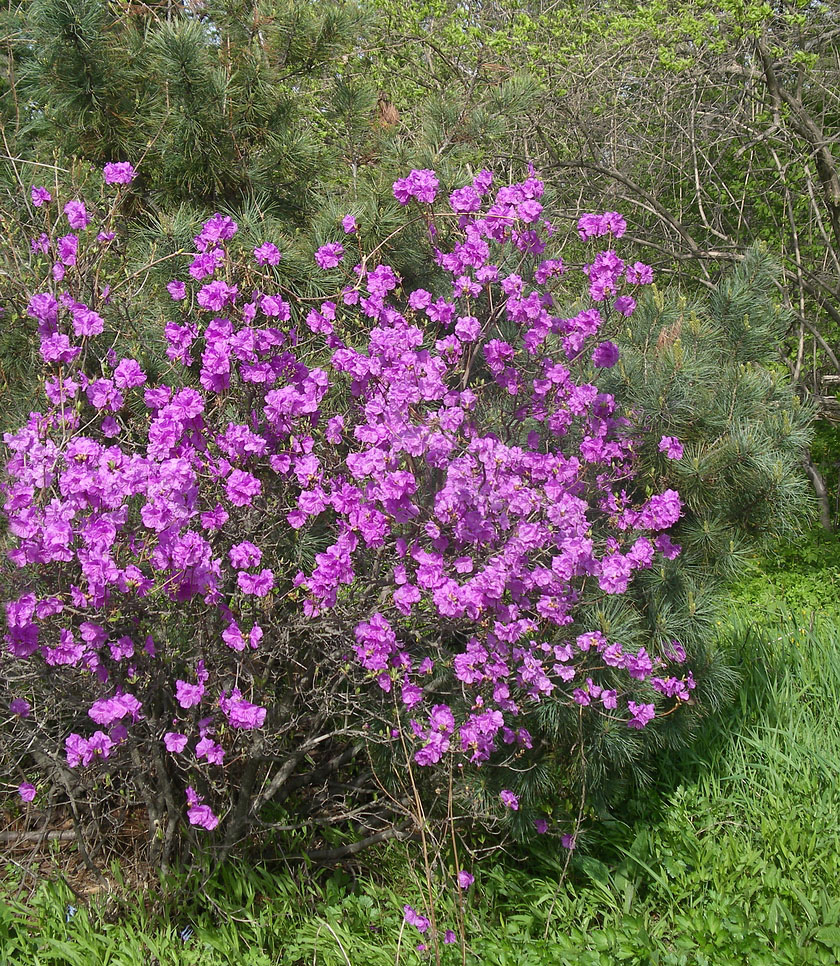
[(342, 551)]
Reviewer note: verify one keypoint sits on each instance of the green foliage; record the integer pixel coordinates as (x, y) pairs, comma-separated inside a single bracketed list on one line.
[(705, 373), (802, 578)]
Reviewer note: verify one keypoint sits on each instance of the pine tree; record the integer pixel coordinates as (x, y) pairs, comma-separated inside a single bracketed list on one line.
[(707, 373)]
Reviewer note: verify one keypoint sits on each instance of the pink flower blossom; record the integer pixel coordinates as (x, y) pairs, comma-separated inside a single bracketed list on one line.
[(671, 447), (329, 256), (207, 748), (593, 226), (267, 254), (509, 800), (119, 172), (203, 817), (605, 355), (245, 554), (241, 713), (642, 714), (188, 695), (175, 742), (413, 918), (242, 487), (40, 196), (422, 185), (625, 305), (639, 274), (258, 585), (177, 290), (77, 215), (27, 791)]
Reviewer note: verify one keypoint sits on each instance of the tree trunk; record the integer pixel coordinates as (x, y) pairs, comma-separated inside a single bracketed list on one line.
[(822, 492)]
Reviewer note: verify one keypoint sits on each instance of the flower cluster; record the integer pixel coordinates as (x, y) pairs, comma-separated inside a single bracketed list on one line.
[(456, 540)]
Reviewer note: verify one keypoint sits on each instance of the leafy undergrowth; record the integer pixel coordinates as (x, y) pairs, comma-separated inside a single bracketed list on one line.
[(802, 578), (740, 866)]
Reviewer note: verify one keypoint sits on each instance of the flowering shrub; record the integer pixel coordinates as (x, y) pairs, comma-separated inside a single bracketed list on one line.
[(381, 520)]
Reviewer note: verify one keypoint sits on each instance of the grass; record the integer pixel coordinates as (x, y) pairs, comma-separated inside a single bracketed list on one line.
[(800, 578), (738, 865)]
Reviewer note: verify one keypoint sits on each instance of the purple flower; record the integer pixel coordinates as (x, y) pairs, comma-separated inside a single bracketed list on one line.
[(245, 554), (128, 374), (605, 355), (609, 699), (419, 299), (206, 263), (40, 196), (188, 695), (232, 636), (449, 937), (68, 245), (20, 707), (214, 230), (76, 750), (405, 596), (86, 322), (267, 254), (108, 710), (639, 274), (415, 919), (241, 713), (216, 295), (421, 185), (207, 748), (174, 741), (259, 585), (411, 694), (27, 791), (329, 255), (177, 290), (541, 825), (509, 800), (348, 223), (465, 879), (467, 328), (464, 200), (642, 714), (671, 447), (568, 841), (593, 226), (625, 305), (661, 511), (615, 574), (241, 488), (77, 215), (441, 719), (203, 817), (668, 549), (119, 172), (529, 211)]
